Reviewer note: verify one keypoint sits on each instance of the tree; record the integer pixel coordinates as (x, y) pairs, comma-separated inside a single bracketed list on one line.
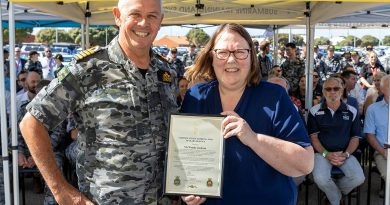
[(386, 41), (48, 36), (198, 37), (321, 41), (97, 36), (283, 39), (21, 35), (349, 41), (369, 40)]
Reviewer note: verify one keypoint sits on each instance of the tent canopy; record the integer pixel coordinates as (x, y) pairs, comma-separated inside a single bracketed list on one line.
[(178, 12)]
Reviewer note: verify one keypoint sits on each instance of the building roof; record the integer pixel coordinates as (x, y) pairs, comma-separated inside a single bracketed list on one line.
[(172, 41)]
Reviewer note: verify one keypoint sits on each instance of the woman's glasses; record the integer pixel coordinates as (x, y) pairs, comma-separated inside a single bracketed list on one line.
[(240, 54)]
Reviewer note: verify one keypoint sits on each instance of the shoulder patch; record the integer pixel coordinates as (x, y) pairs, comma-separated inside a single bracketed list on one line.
[(164, 76), (63, 73), (85, 53)]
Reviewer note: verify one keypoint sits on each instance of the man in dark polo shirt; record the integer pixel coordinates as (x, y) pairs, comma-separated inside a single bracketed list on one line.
[(334, 131)]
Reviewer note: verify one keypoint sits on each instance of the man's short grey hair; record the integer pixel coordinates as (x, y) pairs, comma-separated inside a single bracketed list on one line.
[(275, 79), (385, 78), (121, 4), (335, 79)]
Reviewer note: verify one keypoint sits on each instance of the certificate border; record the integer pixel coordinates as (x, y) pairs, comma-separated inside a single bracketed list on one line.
[(166, 159)]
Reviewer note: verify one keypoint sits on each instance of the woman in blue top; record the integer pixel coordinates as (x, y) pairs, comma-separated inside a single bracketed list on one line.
[(266, 141)]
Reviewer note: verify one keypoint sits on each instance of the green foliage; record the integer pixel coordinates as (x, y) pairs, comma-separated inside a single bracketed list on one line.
[(386, 41), (97, 36), (48, 36), (198, 37), (21, 34), (369, 40), (321, 41), (283, 39), (348, 41)]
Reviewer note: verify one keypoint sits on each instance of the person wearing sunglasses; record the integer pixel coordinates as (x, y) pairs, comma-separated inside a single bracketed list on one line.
[(334, 129), (261, 129)]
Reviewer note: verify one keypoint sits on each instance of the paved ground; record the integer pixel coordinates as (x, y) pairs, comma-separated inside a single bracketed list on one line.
[(375, 187), (37, 199)]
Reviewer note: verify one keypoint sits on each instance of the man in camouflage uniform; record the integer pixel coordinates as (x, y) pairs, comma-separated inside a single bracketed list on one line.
[(332, 62), (120, 97), (189, 58), (293, 67), (357, 64), (176, 64), (56, 136)]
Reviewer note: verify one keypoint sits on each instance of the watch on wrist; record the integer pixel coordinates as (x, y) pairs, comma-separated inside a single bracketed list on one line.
[(324, 153), (347, 153)]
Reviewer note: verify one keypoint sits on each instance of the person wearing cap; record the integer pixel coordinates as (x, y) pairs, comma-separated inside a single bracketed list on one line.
[(189, 58), (293, 67), (318, 62), (281, 55), (265, 63), (176, 64), (331, 62), (346, 59), (33, 63), (256, 44), (357, 64)]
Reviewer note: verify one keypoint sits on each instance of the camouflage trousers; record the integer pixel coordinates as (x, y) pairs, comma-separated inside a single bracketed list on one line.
[(49, 198), (71, 153)]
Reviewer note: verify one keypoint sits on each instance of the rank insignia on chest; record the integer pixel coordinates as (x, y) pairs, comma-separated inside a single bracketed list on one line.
[(63, 73), (164, 76)]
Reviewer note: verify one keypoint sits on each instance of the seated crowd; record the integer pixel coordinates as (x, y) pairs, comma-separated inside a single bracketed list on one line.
[(349, 105)]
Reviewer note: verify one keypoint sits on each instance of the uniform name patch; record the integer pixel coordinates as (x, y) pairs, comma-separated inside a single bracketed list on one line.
[(345, 117), (320, 113)]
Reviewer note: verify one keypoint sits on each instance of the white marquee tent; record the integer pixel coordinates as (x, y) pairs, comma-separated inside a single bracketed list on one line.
[(177, 12)]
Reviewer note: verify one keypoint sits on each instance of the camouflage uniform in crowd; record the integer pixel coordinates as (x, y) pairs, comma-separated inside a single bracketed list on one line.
[(292, 70), (56, 136), (189, 59), (178, 66), (332, 65), (121, 117), (71, 150)]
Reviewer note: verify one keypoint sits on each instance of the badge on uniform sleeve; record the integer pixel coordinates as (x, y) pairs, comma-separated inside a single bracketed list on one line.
[(164, 76), (63, 73)]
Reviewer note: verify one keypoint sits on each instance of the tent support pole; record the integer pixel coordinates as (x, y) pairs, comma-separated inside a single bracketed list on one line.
[(4, 134), (309, 58), (13, 104), (276, 45), (387, 189), (83, 36)]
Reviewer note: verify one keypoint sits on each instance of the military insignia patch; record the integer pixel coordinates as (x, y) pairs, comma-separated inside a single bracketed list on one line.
[(176, 181), (164, 76), (63, 73), (86, 53), (209, 182)]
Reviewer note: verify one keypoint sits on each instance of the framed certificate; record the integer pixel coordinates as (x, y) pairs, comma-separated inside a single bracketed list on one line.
[(194, 158)]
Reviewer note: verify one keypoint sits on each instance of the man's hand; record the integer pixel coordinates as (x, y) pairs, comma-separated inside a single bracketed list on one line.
[(336, 158), (30, 162), (70, 195), (22, 160), (383, 152), (193, 200)]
